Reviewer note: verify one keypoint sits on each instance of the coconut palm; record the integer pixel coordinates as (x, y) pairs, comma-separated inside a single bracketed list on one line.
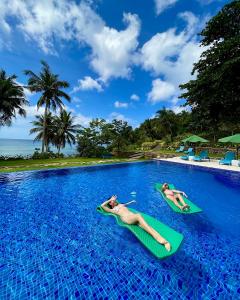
[(12, 98), (50, 86), (65, 130), (48, 131)]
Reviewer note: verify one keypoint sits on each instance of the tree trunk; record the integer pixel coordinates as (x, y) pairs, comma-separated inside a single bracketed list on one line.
[(44, 129)]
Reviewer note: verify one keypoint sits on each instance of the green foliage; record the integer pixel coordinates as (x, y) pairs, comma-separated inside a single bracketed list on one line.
[(150, 145), (46, 155), (64, 130), (44, 124), (120, 134), (90, 140), (215, 94), (12, 158), (50, 87), (101, 137), (12, 98)]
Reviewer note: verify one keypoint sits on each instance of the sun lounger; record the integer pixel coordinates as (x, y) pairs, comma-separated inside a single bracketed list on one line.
[(180, 149), (227, 160), (203, 155), (186, 157), (189, 150)]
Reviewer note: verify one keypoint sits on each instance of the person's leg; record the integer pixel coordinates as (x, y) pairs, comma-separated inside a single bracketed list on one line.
[(175, 201), (143, 224), (180, 197)]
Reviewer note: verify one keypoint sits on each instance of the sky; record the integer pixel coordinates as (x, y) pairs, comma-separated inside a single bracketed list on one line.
[(124, 59)]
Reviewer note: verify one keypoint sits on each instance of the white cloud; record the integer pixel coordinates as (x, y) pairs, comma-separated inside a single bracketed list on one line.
[(26, 90), (32, 111), (88, 83), (161, 91), (206, 2), (177, 108), (49, 21), (162, 5), (171, 55), (119, 104), (113, 50), (121, 117), (82, 120), (75, 100), (134, 97), (161, 53)]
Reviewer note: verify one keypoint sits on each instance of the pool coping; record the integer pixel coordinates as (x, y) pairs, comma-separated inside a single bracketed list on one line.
[(197, 166), (75, 167)]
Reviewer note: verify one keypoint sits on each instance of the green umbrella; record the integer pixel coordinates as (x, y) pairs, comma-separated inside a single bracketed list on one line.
[(194, 139), (234, 139)]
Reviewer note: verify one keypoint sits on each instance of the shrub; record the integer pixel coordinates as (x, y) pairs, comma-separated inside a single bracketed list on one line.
[(46, 155)]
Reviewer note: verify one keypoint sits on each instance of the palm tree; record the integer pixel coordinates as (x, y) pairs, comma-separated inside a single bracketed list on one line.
[(50, 86), (12, 99), (48, 131), (65, 130)]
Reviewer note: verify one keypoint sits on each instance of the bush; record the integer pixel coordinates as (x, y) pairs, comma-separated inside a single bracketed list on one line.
[(150, 145), (46, 155), (15, 157)]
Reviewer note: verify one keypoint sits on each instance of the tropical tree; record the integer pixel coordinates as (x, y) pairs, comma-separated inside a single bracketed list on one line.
[(121, 134), (65, 130), (148, 129), (168, 121), (50, 87), (215, 93), (44, 127), (93, 140), (12, 98)]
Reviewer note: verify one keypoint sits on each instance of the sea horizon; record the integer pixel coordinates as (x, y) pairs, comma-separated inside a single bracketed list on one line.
[(24, 147)]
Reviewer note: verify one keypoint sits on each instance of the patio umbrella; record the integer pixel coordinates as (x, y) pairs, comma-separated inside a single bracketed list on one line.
[(234, 139), (195, 139)]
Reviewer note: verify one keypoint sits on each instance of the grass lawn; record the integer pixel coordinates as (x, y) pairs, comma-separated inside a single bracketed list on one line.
[(39, 164)]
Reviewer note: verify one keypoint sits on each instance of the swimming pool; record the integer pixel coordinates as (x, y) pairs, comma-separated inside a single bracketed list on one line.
[(54, 245)]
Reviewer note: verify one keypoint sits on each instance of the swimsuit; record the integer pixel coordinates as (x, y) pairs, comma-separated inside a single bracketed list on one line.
[(116, 209), (169, 193)]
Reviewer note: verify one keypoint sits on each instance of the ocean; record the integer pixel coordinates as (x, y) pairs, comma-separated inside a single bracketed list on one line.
[(12, 147)]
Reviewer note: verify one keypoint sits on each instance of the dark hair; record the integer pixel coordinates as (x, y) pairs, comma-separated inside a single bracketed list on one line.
[(163, 188), (109, 205)]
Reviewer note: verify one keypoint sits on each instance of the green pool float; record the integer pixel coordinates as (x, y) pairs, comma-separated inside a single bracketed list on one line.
[(173, 237), (193, 208)]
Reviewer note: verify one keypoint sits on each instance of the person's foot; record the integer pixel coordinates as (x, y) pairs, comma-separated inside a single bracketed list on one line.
[(186, 207), (167, 246)]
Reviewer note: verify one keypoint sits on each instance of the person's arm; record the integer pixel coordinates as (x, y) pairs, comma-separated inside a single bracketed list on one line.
[(133, 201), (179, 192), (104, 205)]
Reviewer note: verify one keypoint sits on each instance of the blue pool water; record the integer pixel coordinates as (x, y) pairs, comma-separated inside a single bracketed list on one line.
[(54, 245)]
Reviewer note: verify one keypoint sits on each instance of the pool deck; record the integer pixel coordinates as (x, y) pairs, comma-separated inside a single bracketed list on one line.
[(208, 164)]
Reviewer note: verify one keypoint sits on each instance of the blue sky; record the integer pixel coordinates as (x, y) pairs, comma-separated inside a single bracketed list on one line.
[(123, 59)]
